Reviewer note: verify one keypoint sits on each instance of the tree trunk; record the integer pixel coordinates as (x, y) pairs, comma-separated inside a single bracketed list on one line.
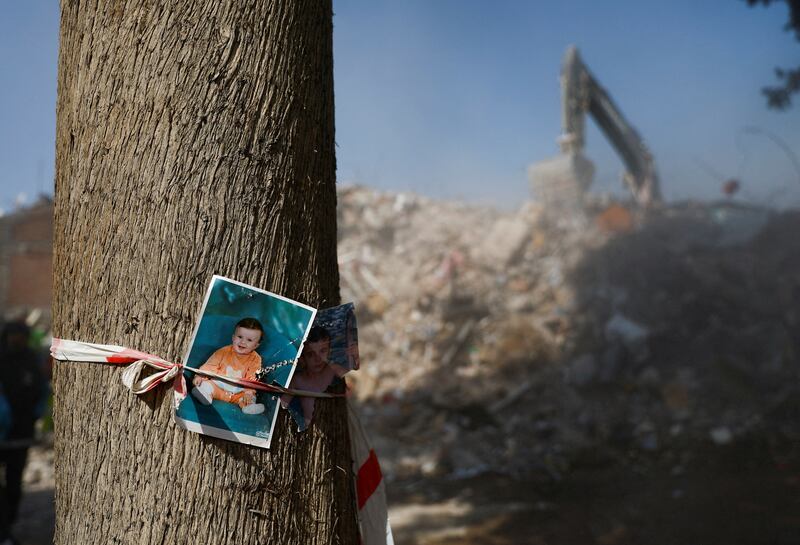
[(193, 137)]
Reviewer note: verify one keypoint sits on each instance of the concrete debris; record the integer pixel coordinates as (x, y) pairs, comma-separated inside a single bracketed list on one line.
[(721, 435), (628, 331), (738, 225), (504, 242), (520, 342), (582, 370)]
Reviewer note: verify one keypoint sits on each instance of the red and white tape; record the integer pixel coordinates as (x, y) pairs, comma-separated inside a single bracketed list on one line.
[(66, 350), (373, 514)]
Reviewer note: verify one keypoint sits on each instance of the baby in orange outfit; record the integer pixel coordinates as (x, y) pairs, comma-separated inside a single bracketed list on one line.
[(237, 360)]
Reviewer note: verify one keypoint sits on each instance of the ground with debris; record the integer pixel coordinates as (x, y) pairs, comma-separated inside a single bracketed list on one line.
[(601, 376)]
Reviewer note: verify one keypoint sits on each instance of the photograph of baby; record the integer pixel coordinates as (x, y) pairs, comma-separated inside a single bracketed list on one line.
[(330, 351), (243, 333), (237, 360)]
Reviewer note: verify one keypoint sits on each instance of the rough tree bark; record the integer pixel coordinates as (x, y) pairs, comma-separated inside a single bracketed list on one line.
[(193, 137)]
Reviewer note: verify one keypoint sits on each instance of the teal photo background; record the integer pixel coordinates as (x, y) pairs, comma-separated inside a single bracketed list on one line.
[(285, 324)]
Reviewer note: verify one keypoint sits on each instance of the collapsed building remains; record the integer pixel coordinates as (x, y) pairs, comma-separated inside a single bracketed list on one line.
[(518, 342)]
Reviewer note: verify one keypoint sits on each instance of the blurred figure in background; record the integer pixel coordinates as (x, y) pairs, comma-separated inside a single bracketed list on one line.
[(25, 389)]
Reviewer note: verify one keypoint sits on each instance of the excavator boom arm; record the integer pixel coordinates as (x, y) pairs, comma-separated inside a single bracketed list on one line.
[(582, 94)]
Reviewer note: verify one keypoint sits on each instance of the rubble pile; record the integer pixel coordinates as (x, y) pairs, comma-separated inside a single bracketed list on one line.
[(525, 341)]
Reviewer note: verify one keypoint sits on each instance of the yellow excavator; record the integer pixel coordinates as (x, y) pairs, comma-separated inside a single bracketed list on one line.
[(563, 180)]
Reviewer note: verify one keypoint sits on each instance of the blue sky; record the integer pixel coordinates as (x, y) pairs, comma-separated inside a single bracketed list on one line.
[(455, 98)]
